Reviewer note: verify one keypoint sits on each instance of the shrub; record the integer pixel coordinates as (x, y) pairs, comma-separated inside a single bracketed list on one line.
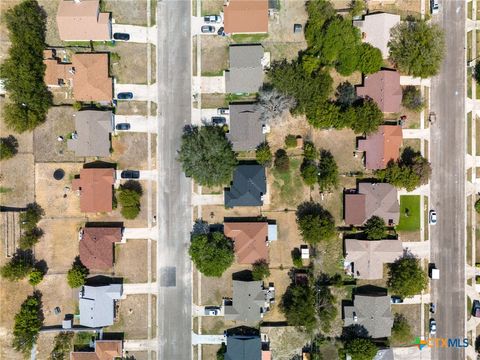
[(412, 98), (35, 277), (346, 95), (31, 216), (368, 117), (326, 305), (260, 270), (309, 172), (401, 330), (77, 105), (327, 171), (29, 238), (211, 253), (264, 154), (361, 349), (129, 198), (375, 228), (282, 162), (477, 206), (370, 59), (63, 346), (77, 275), (8, 147), (298, 305), (290, 141), (315, 223), (309, 151), (297, 258), (19, 266)]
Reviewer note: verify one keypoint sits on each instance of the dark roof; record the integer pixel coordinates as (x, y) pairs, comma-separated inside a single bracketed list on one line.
[(245, 74), (245, 132), (373, 313), (247, 302), (248, 186), (241, 347)]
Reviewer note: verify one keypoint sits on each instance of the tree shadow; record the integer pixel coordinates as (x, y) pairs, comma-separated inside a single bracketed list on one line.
[(132, 185), (42, 266), (354, 331), (100, 165)]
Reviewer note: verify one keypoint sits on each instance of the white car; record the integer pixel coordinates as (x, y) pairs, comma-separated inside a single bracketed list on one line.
[(432, 217), (434, 7), (433, 327), (212, 311)]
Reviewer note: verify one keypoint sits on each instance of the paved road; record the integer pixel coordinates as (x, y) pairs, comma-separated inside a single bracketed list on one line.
[(173, 189), (448, 181)]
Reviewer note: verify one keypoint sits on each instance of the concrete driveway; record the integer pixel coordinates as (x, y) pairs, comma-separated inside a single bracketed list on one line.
[(144, 175), (207, 339), (140, 92), (209, 84), (138, 123), (198, 22), (139, 233), (138, 34), (412, 353)]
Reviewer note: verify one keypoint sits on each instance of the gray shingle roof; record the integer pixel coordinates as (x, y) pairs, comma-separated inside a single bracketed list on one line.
[(246, 70), (381, 200), (245, 132), (247, 302), (93, 130), (96, 304), (241, 347), (248, 186), (373, 313)]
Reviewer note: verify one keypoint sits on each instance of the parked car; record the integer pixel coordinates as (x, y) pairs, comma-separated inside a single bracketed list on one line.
[(433, 327), (396, 299), (125, 96), (434, 7), (476, 308), (212, 311), (223, 111), (122, 126), (130, 174), (432, 217), (121, 36), (212, 19), (297, 28), (432, 118), (433, 308), (219, 120), (208, 29), (221, 31)]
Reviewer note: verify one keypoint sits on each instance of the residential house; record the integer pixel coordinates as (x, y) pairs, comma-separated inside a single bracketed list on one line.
[(92, 133), (376, 28), (245, 74), (382, 146), (245, 16), (97, 246), (250, 301), (250, 239), (103, 350), (379, 199), (372, 312), (95, 186), (246, 129), (384, 88), (81, 20), (244, 347), (97, 304), (248, 186), (87, 75), (365, 258)]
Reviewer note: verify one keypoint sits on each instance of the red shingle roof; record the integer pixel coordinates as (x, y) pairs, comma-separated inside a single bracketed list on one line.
[(250, 239), (355, 209), (96, 189), (382, 146), (384, 88), (246, 16), (96, 247)]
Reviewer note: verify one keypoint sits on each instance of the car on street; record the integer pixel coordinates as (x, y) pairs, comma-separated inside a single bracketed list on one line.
[(223, 111), (121, 36), (433, 327), (433, 308), (208, 29), (122, 126), (432, 217), (125, 96), (130, 174), (212, 19), (212, 311), (219, 120), (476, 308), (432, 118), (434, 7), (396, 299)]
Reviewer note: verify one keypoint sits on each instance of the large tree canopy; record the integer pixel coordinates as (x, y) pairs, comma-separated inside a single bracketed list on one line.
[(211, 253), (207, 156), (375, 228), (417, 48), (327, 171), (28, 322), (361, 349), (298, 305), (406, 277), (315, 223)]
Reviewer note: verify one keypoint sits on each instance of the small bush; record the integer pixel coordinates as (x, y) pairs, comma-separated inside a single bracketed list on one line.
[(35, 277), (309, 172), (77, 105), (8, 147), (260, 270), (77, 275), (264, 154), (297, 258), (282, 162), (309, 151), (290, 141), (412, 99)]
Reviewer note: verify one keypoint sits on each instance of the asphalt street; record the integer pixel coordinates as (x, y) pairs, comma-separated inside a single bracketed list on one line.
[(173, 189), (448, 181)]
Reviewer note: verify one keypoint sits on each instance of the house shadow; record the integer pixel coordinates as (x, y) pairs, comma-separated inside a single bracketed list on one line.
[(102, 280), (113, 336), (107, 224), (242, 331), (244, 275), (354, 331), (370, 290), (100, 165)]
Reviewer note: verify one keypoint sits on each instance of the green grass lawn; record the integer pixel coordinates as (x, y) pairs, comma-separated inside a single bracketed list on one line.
[(289, 184), (412, 221)]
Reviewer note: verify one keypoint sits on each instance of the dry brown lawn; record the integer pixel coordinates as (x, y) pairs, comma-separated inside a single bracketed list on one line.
[(412, 313), (50, 7), (132, 317), (215, 214), (209, 352), (281, 281), (216, 325), (131, 12), (139, 355), (214, 289), (45, 344), (25, 140), (131, 261), (285, 341), (18, 176), (401, 7), (135, 108), (212, 7), (130, 150), (214, 55)]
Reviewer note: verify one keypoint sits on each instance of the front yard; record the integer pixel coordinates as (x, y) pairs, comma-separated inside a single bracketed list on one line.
[(409, 213)]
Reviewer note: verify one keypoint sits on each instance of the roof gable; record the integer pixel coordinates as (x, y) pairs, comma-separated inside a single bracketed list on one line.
[(247, 303), (95, 186), (241, 347), (245, 132), (384, 88), (97, 247), (250, 239), (91, 81), (245, 74), (382, 146)]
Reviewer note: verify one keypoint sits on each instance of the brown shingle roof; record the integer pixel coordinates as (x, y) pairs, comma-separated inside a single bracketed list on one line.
[(382, 146), (104, 350), (82, 21), (91, 81), (250, 239), (96, 247), (95, 187), (355, 209), (384, 88), (55, 71), (246, 16)]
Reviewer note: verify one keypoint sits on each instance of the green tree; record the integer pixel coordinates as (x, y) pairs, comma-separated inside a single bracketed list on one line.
[(130, 201), (35, 277), (417, 48), (348, 60), (412, 99), (370, 59), (282, 162), (63, 346), (264, 154), (31, 216), (221, 352), (345, 95), (207, 156), (368, 117), (28, 322), (476, 71), (327, 308), (290, 141), (375, 228), (309, 172), (298, 305), (8, 147), (77, 275), (406, 277), (29, 238), (19, 266), (319, 13), (327, 116), (327, 171), (23, 70), (211, 253), (315, 223), (361, 349), (401, 330), (309, 151), (357, 7), (477, 206), (260, 270), (297, 258)]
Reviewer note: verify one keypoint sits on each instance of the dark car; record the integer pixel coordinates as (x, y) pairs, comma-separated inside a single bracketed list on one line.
[(297, 28), (130, 174), (122, 126), (208, 29), (396, 299), (125, 96), (476, 308), (433, 308), (121, 36), (219, 120), (221, 31)]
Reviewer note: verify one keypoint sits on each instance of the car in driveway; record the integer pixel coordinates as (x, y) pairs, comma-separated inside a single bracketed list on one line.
[(434, 7), (122, 126), (433, 327), (219, 120), (223, 111), (125, 96), (212, 19), (432, 217), (212, 311), (476, 308), (121, 36), (394, 299), (208, 29), (130, 174)]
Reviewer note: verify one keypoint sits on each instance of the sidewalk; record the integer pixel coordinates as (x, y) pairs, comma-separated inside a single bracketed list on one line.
[(416, 134), (207, 199), (208, 84)]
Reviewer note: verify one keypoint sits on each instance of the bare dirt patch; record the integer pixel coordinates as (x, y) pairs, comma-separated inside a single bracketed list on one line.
[(17, 174), (135, 108), (131, 261), (401, 7), (131, 12), (281, 281), (45, 344), (286, 342), (132, 317), (214, 55), (130, 150)]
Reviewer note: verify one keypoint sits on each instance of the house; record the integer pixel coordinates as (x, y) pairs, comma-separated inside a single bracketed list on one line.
[(384, 88), (95, 186), (248, 186), (245, 16), (246, 129), (372, 312), (382, 146), (97, 246), (103, 350), (92, 133), (87, 75), (250, 239), (376, 28), (379, 199), (250, 301), (97, 304), (81, 20), (366, 257), (245, 74), (243, 347)]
